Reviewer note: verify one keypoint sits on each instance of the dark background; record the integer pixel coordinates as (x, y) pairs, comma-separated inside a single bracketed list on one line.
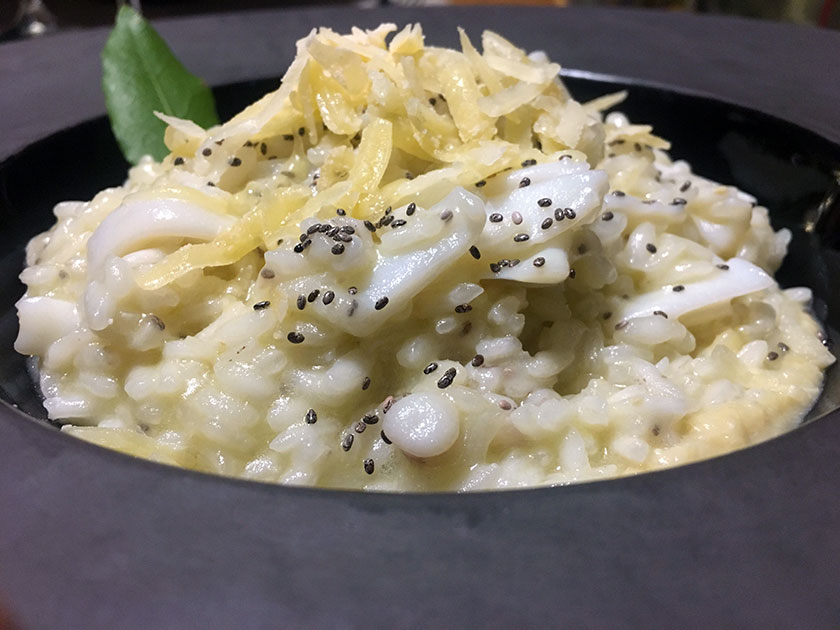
[(27, 18)]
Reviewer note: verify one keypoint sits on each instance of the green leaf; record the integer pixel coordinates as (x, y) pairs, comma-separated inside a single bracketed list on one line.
[(140, 75)]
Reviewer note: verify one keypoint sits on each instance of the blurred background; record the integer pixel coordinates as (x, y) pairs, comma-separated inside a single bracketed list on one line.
[(32, 18)]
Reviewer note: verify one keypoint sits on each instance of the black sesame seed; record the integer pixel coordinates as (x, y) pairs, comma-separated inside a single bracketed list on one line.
[(430, 368), (295, 337), (313, 228), (495, 267), (359, 427), (513, 262), (678, 201), (519, 238), (368, 464), (207, 152), (332, 231), (313, 295), (288, 136), (651, 248), (211, 184), (381, 303), (474, 252), (248, 143), (547, 223), (301, 131), (772, 356), (661, 314), (559, 215), (398, 223), (311, 417), (298, 248), (463, 308), (353, 306), (539, 261), (495, 218), (480, 184), (544, 202), (446, 215), (352, 290), (678, 287), (329, 296), (337, 249), (783, 346), (389, 402), (565, 156), (370, 226), (572, 273), (570, 214), (279, 241), (622, 324), (325, 227), (478, 360), (268, 274), (344, 238), (525, 182), (370, 419), (178, 161), (303, 237), (607, 216), (386, 220), (530, 162), (385, 437), (410, 209), (505, 404), (723, 267), (340, 212), (348, 229), (261, 305), (619, 193), (366, 383), (686, 185), (235, 161), (433, 101), (447, 378), (263, 148), (301, 302), (347, 441)]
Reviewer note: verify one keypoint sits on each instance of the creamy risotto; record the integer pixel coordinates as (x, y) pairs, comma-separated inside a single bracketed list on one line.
[(413, 268)]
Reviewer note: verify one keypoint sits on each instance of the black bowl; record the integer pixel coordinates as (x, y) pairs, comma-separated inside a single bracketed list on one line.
[(93, 538)]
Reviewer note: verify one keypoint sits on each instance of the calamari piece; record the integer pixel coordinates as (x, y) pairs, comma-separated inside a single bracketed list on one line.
[(139, 223), (395, 280), (738, 278), (525, 208), (43, 320)]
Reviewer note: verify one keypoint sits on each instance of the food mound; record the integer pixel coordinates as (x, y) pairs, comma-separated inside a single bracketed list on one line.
[(414, 268)]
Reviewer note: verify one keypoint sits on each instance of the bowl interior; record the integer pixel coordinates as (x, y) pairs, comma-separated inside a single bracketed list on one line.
[(786, 167)]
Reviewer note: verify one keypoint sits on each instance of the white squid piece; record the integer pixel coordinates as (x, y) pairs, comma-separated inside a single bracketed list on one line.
[(139, 223), (742, 278)]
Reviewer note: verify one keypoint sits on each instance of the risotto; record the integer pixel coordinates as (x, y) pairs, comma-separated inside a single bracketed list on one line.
[(413, 268)]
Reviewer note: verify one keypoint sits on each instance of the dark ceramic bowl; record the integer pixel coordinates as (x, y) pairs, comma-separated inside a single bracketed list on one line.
[(92, 538)]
